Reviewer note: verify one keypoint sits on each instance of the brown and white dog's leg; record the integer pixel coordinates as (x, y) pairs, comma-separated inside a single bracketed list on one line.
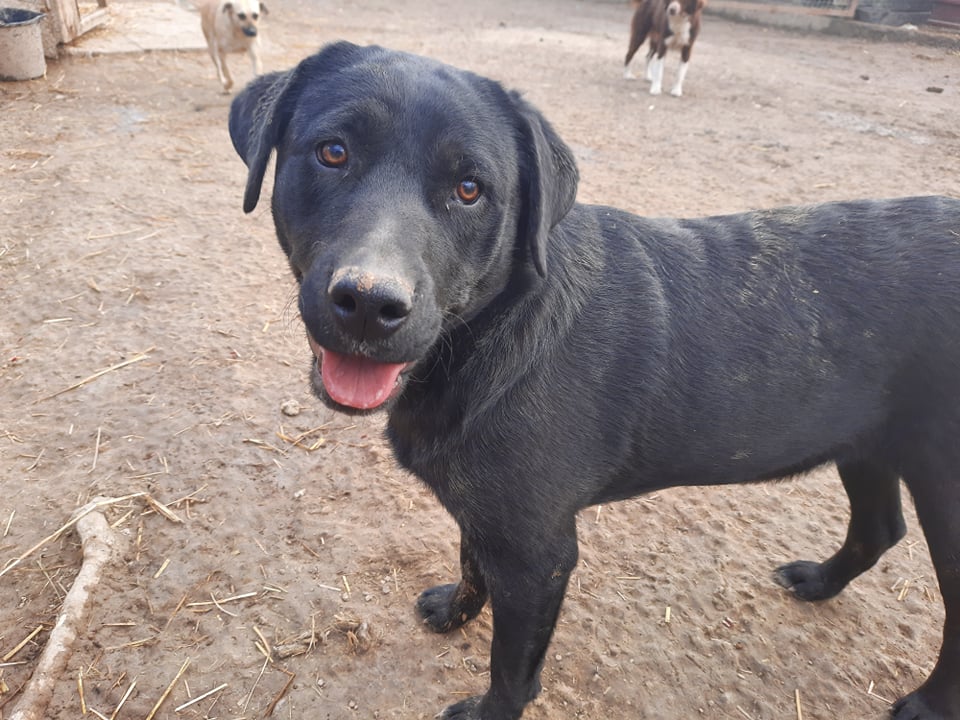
[(677, 89), (685, 51), (655, 72), (690, 30), (639, 28)]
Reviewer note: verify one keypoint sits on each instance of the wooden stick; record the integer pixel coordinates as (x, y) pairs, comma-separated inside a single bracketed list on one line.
[(163, 509), (99, 548), (220, 607), (279, 695), (265, 649), (22, 643), (99, 374), (218, 603), (166, 692), (83, 700), (162, 568), (96, 450), (255, 683), (198, 698), (107, 236), (123, 700), (79, 515)]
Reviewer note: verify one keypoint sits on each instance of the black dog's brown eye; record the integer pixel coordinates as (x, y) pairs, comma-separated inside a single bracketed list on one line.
[(332, 154), (468, 191)]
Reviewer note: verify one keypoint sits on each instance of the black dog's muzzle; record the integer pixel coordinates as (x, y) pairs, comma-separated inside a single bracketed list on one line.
[(368, 307)]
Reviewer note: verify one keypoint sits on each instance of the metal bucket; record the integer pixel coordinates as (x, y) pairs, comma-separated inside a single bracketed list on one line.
[(21, 47)]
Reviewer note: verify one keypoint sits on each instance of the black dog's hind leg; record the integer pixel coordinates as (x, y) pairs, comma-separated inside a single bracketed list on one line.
[(447, 607), (936, 493), (526, 602), (876, 524)]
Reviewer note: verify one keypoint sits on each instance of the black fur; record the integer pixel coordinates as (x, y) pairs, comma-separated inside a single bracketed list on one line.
[(560, 355)]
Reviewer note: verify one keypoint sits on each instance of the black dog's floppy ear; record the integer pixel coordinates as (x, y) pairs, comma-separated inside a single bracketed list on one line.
[(549, 179), (260, 113), (257, 121)]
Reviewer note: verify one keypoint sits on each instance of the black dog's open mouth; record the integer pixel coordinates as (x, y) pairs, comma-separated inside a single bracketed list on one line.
[(357, 382)]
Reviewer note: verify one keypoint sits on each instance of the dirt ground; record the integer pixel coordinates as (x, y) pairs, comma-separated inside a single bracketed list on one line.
[(150, 344)]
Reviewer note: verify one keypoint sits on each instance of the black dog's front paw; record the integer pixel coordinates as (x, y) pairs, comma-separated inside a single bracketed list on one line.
[(447, 607), (468, 709), (807, 580), (434, 606)]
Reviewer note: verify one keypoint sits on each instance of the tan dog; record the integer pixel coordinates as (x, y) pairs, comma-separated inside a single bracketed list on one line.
[(230, 26)]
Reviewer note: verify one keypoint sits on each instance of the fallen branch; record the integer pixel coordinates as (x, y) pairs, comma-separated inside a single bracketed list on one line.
[(85, 510), (77, 517), (99, 543)]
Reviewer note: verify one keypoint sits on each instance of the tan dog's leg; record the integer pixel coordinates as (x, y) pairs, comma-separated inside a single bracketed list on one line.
[(254, 53), (220, 60), (209, 33)]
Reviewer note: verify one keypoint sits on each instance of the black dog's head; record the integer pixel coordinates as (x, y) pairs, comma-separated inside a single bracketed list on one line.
[(407, 196)]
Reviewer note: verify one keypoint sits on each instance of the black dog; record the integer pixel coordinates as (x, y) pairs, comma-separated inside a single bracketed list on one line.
[(537, 356)]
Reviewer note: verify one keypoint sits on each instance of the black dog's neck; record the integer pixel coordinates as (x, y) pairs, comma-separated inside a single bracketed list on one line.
[(473, 365), (435, 402)]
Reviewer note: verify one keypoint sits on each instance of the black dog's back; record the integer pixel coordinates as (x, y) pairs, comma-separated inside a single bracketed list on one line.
[(782, 339), (733, 348)]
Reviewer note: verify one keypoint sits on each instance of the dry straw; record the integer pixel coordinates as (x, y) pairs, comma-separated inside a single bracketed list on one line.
[(99, 374)]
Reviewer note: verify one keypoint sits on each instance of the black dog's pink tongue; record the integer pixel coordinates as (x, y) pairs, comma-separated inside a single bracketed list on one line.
[(357, 382)]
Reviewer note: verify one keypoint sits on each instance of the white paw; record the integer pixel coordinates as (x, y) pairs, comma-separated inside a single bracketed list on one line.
[(655, 89), (677, 92), (628, 74)]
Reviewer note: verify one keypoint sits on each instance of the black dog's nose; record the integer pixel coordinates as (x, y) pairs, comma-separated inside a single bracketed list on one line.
[(250, 31), (369, 307)]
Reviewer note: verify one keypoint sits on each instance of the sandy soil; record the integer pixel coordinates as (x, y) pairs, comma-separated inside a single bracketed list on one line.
[(122, 241)]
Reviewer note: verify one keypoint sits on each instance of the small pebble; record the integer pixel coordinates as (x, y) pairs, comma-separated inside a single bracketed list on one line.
[(291, 408)]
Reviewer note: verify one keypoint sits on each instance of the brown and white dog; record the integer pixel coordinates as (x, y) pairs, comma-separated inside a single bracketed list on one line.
[(668, 24), (230, 26)]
